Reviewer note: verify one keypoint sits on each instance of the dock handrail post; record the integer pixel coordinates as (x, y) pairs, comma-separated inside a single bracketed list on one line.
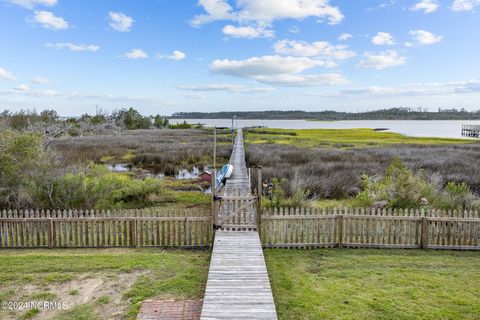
[(259, 199), (214, 178)]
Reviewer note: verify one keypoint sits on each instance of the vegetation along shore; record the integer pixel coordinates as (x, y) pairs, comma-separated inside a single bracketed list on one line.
[(59, 167)]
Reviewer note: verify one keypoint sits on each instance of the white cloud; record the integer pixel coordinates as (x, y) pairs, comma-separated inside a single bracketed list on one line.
[(6, 75), (427, 6), (304, 79), (136, 54), (383, 5), (22, 88), (41, 80), (265, 65), (414, 89), (266, 11), (215, 9), (464, 5), (278, 70), (345, 37), (78, 97), (294, 29), (249, 32), (30, 4), (233, 88), (120, 21), (426, 38), (471, 86), (194, 96), (49, 21), (382, 60), (73, 47), (48, 93), (383, 38), (313, 49), (176, 55)]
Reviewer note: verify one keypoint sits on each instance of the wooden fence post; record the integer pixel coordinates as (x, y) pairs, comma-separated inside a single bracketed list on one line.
[(259, 199), (340, 230), (51, 233), (133, 232), (424, 233)]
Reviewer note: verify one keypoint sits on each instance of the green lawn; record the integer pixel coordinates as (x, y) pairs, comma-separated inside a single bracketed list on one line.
[(66, 275), (340, 138), (375, 284)]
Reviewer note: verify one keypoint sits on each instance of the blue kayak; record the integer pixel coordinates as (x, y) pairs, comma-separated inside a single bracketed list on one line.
[(224, 173)]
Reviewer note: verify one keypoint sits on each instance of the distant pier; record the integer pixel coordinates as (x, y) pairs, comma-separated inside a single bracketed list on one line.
[(471, 131)]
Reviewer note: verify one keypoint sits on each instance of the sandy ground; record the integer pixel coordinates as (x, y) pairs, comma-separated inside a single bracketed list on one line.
[(85, 289)]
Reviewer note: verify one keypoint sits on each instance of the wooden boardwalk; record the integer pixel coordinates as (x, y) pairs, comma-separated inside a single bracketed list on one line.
[(238, 286), (239, 179)]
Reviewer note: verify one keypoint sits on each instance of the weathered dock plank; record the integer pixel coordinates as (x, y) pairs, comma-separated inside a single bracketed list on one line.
[(238, 286)]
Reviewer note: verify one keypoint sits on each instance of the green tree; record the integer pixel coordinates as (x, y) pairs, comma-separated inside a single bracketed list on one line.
[(131, 119), (19, 121), (48, 116), (159, 122), (20, 157)]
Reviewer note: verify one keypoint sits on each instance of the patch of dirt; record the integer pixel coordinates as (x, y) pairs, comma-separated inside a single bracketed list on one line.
[(88, 288)]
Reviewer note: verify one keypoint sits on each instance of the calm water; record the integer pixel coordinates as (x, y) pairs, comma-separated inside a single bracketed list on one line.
[(416, 128)]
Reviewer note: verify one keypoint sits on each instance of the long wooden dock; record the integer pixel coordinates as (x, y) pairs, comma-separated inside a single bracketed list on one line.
[(239, 179), (238, 286)]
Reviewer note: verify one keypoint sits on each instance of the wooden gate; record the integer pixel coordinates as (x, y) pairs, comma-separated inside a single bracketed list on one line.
[(237, 210)]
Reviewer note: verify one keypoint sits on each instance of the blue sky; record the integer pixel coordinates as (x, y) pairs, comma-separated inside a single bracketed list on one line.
[(165, 56)]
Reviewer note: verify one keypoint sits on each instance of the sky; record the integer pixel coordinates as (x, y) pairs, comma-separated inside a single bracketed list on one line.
[(166, 56)]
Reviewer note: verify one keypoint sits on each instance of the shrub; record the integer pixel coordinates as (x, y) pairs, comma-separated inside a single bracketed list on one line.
[(457, 196), (100, 189), (277, 196), (400, 187), (183, 125)]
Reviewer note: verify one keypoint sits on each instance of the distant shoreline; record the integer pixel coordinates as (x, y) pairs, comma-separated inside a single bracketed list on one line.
[(387, 114)]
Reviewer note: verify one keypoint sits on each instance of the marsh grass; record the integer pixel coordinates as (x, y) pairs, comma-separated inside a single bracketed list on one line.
[(335, 173), (340, 138), (160, 151)]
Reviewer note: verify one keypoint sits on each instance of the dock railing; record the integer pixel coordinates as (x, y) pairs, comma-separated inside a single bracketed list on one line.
[(471, 130)]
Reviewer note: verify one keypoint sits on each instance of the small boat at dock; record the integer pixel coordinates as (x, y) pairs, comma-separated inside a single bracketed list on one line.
[(224, 173)]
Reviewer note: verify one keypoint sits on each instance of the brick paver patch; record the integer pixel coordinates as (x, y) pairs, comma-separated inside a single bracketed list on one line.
[(170, 310)]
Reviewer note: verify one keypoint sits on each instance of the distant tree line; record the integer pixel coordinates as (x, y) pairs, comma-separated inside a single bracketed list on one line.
[(384, 114), (52, 125)]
